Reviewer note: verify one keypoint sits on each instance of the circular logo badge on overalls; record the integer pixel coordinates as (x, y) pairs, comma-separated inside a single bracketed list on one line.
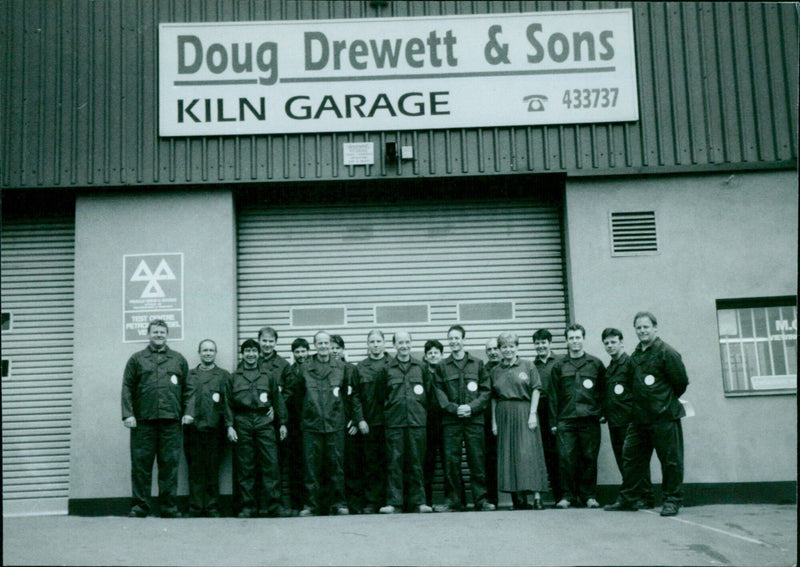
[(523, 376), (472, 386), (215, 397), (649, 379), (418, 389), (263, 397), (174, 379), (618, 389), (588, 384), (336, 392)]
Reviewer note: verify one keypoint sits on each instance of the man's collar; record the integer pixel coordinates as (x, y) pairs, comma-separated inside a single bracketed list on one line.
[(466, 357), (641, 347)]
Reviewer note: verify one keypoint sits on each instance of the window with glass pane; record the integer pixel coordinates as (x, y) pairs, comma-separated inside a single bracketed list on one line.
[(758, 344)]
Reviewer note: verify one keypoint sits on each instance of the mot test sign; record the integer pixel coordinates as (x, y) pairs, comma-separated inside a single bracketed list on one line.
[(228, 78), (152, 289)]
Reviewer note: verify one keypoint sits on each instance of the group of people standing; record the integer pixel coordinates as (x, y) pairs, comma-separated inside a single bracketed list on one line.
[(364, 438)]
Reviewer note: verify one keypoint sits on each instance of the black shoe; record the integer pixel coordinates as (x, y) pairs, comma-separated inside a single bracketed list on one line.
[(537, 504), (669, 509), (368, 510), (213, 513), (137, 512), (171, 513), (245, 513), (619, 506), (445, 508), (645, 504), (522, 506)]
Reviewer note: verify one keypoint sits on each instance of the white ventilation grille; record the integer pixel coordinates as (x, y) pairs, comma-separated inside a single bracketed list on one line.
[(633, 233)]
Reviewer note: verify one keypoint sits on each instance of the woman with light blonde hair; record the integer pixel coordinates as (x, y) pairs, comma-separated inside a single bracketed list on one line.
[(515, 397)]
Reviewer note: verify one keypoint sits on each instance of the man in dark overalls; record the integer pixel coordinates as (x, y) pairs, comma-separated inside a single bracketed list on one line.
[(490, 439), (153, 391), (252, 402), (463, 390), (203, 437), (617, 404), (370, 442), (322, 389), (544, 361), (408, 394), (291, 451), (659, 379), (577, 385)]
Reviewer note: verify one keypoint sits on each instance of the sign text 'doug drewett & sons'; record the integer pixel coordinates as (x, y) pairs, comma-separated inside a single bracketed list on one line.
[(397, 74)]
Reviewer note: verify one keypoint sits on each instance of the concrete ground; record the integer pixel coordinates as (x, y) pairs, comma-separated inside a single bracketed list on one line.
[(751, 534)]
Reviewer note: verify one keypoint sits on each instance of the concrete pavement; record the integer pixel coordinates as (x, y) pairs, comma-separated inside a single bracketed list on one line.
[(700, 535)]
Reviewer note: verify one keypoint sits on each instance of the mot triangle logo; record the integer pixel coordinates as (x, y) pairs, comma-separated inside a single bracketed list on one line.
[(143, 274)]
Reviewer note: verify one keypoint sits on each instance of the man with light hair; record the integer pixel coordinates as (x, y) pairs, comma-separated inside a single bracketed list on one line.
[(408, 391), (322, 389)]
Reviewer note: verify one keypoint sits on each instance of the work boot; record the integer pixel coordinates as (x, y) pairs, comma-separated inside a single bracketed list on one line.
[(620, 506), (669, 509), (445, 508), (137, 512)]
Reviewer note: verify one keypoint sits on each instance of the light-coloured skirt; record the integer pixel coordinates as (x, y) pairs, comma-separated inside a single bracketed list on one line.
[(520, 456)]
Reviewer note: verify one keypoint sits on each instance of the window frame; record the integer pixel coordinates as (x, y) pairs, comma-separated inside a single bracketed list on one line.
[(738, 305)]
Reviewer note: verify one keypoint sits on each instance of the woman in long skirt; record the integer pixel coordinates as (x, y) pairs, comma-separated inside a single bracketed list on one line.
[(515, 397)]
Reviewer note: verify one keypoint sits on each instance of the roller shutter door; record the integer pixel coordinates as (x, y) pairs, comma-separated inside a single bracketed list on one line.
[(488, 265), (37, 344), (491, 266)]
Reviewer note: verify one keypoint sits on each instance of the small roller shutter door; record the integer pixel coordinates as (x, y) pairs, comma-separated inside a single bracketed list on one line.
[(38, 292)]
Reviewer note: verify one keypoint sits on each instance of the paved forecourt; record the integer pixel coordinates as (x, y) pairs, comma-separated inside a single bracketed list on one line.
[(701, 535)]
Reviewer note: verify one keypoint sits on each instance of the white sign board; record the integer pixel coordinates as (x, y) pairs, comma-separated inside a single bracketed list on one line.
[(152, 289), (359, 153), (227, 78)]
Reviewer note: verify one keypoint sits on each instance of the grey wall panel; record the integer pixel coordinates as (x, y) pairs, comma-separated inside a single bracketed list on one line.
[(717, 81)]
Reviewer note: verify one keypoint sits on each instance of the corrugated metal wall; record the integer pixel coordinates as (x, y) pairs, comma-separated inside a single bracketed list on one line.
[(718, 90), (38, 258)]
